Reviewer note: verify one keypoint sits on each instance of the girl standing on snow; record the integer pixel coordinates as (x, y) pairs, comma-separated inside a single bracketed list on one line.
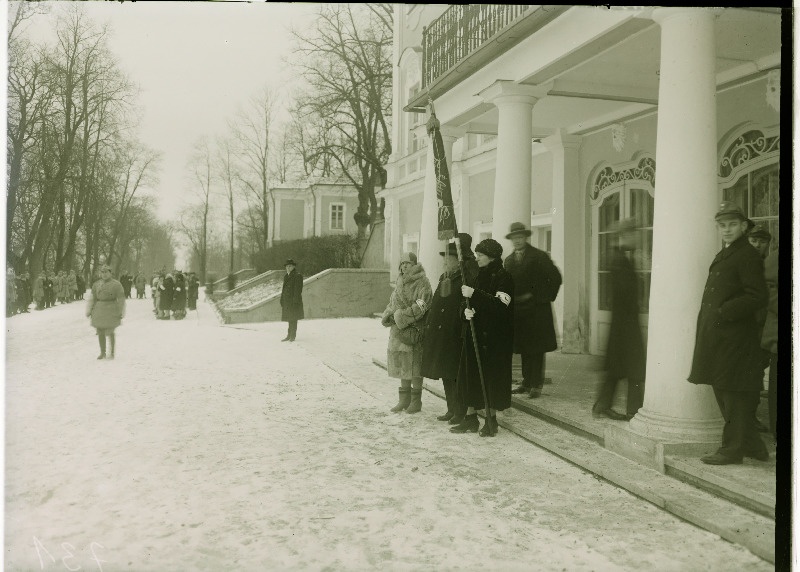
[(106, 308), (406, 312)]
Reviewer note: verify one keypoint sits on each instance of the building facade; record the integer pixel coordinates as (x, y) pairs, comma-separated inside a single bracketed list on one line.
[(306, 209), (570, 118)]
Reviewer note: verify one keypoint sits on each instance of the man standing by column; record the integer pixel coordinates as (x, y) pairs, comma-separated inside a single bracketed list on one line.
[(292, 300), (727, 352), (536, 285)]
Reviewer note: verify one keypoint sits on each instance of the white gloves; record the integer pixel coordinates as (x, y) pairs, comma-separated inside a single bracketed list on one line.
[(466, 291), (468, 312)]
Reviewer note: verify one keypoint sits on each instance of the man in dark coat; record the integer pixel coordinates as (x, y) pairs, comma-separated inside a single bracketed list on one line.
[(292, 299), (444, 335), (192, 286), (625, 352), (166, 290), (536, 285), (491, 312), (126, 280), (727, 351)]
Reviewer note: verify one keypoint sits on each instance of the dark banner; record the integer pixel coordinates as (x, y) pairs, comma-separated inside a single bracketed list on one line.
[(444, 197)]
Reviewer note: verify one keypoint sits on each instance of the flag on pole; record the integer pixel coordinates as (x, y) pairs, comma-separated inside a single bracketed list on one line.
[(444, 196)]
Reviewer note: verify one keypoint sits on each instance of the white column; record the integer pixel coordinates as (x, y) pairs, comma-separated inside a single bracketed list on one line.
[(568, 239), (395, 240), (429, 243), (512, 189), (684, 234)]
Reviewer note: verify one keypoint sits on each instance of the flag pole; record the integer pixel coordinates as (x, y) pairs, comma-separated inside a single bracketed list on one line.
[(432, 125)]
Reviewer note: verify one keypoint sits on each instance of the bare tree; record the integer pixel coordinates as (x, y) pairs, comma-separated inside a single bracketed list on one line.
[(346, 64), (202, 175), (227, 177), (252, 132)]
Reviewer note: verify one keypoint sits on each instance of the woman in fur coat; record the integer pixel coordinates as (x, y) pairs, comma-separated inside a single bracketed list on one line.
[(407, 307)]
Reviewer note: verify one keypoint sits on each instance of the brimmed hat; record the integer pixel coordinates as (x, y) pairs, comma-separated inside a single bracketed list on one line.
[(760, 231), (490, 248), (624, 225), (729, 208), (290, 262), (466, 246), (517, 228)]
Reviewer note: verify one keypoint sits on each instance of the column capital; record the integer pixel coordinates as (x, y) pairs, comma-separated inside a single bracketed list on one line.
[(661, 15), (505, 91), (561, 140)]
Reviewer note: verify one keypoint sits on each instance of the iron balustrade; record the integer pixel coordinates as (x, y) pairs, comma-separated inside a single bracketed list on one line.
[(460, 31)]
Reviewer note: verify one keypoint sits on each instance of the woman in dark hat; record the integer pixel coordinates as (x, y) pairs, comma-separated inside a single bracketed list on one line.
[(106, 308), (492, 316), (444, 329), (292, 299)]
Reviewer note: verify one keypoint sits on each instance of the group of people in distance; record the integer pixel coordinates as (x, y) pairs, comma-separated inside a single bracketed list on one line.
[(139, 282), (47, 289), (484, 310), (173, 293)]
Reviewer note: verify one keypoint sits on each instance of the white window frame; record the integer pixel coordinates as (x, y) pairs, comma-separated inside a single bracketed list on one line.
[(540, 225), (410, 238), (480, 231), (344, 215)]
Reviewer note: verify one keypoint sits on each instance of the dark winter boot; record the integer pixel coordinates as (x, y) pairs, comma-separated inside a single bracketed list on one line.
[(405, 399), (446, 417), (102, 339), (468, 425), (449, 389), (415, 406), (489, 428)]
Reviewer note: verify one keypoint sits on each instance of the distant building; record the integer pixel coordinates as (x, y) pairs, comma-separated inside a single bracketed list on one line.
[(317, 208)]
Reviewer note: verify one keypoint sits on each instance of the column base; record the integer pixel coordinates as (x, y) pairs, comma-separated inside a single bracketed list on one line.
[(649, 436)]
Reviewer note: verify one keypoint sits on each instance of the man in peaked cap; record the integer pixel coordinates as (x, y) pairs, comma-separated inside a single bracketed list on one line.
[(727, 352), (760, 238), (536, 285), (292, 299)]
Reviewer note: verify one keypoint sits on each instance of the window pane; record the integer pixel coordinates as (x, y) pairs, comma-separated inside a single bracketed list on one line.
[(765, 192), (604, 291), (642, 207), (609, 211), (738, 193), (606, 243)]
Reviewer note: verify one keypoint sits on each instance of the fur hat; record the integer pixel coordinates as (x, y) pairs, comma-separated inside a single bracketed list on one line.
[(490, 248), (408, 257)]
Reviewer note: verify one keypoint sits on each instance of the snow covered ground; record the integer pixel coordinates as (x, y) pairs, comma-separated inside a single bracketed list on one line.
[(247, 298), (203, 447)]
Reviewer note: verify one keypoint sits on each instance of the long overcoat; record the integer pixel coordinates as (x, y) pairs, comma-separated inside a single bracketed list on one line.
[(441, 346), (727, 352), (625, 352), (166, 290), (536, 285), (292, 297), (179, 296), (38, 288), (106, 304), (769, 336), (494, 330), (191, 290), (408, 304)]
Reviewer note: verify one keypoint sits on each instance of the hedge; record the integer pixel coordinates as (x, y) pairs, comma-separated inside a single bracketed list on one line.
[(312, 255)]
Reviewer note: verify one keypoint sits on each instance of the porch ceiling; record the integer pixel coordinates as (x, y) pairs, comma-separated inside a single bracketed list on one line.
[(616, 75)]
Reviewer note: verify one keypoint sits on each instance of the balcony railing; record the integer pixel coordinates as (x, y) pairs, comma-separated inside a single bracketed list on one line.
[(460, 31)]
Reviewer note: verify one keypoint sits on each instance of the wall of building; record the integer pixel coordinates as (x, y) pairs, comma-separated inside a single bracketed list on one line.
[(333, 293), (373, 253), (292, 219), (541, 184), (410, 214), (481, 197), (351, 206), (744, 103)]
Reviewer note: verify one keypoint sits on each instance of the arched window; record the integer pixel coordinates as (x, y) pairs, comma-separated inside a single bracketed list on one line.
[(749, 174), (619, 192)]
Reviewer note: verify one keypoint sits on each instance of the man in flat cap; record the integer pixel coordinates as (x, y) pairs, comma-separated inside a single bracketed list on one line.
[(536, 285), (727, 352), (760, 238), (292, 299)]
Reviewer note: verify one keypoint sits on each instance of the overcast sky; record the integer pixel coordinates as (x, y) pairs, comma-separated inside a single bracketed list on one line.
[(194, 62)]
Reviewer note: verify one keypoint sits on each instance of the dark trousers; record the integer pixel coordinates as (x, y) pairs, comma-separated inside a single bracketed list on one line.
[(605, 395), (292, 329), (455, 404), (532, 370), (739, 437), (772, 394)]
